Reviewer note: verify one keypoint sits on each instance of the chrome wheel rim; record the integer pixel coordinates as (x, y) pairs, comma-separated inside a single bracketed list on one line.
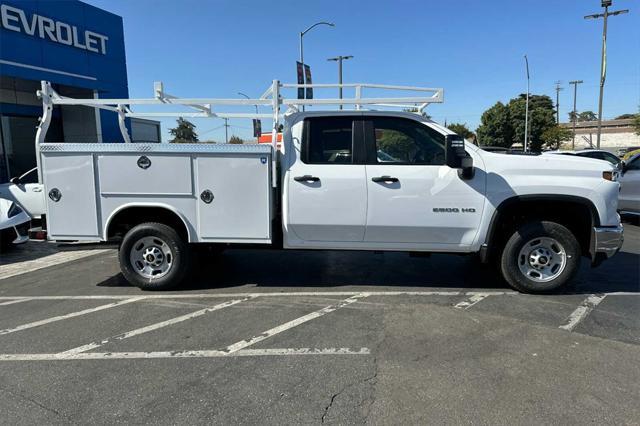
[(542, 259), (151, 257)]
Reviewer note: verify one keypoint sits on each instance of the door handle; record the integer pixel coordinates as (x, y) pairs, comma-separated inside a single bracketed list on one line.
[(385, 179), (306, 178)]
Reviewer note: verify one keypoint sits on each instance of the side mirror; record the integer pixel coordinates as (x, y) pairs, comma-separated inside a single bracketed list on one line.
[(15, 180), (457, 157)]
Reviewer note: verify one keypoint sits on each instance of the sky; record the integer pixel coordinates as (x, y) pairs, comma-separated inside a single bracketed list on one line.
[(473, 49)]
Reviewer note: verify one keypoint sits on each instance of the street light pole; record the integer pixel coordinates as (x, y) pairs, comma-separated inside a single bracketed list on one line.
[(302, 33), (575, 112), (339, 60), (256, 132), (526, 111), (242, 94), (603, 55)]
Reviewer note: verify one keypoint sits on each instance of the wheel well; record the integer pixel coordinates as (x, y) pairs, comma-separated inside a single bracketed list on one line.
[(577, 215), (129, 217)]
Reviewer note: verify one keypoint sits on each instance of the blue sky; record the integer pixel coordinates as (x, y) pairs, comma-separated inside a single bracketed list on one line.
[(473, 49)]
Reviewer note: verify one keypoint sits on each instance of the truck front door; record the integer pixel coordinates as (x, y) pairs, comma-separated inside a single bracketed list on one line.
[(327, 190), (415, 201)]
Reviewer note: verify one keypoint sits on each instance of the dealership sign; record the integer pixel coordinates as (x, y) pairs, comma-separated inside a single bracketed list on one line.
[(15, 19)]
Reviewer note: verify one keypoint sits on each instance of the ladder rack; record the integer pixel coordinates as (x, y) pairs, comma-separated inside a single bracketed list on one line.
[(203, 107)]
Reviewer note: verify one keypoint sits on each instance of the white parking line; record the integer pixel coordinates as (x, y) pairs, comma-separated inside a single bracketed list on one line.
[(582, 311), (466, 304), (11, 302), (71, 315), (294, 323), (272, 294), (153, 327), (183, 354)]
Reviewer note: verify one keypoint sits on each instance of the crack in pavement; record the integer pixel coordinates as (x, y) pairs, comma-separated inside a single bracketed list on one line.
[(37, 403), (370, 380)]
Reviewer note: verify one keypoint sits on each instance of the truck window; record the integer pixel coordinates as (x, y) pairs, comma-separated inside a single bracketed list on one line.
[(403, 141), (328, 140)]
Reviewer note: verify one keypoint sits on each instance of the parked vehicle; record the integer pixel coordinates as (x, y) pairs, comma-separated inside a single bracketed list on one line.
[(14, 224), (629, 198), (628, 155), (343, 180), (623, 151), (596, 154)]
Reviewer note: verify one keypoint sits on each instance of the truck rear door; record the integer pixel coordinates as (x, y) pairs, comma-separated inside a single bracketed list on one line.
[(327, 189)]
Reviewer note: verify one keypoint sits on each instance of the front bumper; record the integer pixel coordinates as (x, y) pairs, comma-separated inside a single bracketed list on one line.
[(605, 242)]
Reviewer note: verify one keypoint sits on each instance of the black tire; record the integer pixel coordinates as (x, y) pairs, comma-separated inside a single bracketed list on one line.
[(512, 260), (177, 257)]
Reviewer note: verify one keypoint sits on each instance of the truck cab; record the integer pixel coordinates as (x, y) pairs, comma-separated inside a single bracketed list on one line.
[(377, 181)]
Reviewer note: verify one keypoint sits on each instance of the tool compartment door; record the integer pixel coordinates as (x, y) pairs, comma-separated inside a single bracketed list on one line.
[(234, 198), (71, 196)]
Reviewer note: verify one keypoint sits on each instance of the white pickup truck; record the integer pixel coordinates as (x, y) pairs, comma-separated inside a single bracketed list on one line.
[(343, 180)]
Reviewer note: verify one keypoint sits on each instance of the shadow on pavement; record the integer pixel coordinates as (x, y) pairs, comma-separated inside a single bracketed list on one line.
[(271, 268)]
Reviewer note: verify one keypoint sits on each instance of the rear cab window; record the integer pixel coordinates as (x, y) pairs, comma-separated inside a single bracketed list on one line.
[(328, 140)]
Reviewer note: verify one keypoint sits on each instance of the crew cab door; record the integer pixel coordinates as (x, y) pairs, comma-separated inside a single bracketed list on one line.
[(414, 199), (327, 191)]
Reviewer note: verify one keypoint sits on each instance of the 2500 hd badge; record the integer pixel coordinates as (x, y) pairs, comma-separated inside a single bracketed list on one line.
[(453, 210)]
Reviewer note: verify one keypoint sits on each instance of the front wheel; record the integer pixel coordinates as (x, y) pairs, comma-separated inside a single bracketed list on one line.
[(154, 257), (540, 257)]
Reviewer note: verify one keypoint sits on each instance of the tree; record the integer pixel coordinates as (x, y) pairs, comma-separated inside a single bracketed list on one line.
[(541, 117), (636, 123), (184, 132), (502, 125), (495, 128), (235, 140), (587, 116), (462, 130), (572, 116), (625, 116), (554, 136)]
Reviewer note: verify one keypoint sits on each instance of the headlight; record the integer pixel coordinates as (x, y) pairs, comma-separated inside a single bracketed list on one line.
[(610, 175), (14, 210)]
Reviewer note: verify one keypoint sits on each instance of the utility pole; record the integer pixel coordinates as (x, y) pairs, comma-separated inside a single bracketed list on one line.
[(558, 89), (226, 130), (526, 110), (302, 33), (603, 55), (339, 59), (575, 112)]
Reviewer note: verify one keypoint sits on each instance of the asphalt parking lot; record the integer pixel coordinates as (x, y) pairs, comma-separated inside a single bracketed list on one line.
[(316, 337)]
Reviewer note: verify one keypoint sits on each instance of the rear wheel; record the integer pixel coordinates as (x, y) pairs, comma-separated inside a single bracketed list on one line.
[(540, 257), (154, 257)]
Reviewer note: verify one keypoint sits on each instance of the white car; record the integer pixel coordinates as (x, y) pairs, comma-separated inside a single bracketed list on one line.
[(14, 224), (629, 198)]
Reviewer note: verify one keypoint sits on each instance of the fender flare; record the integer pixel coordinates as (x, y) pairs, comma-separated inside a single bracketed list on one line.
[(504, 204), (126, 206)]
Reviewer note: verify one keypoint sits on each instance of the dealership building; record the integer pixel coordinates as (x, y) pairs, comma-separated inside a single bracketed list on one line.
[(80, 49)]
